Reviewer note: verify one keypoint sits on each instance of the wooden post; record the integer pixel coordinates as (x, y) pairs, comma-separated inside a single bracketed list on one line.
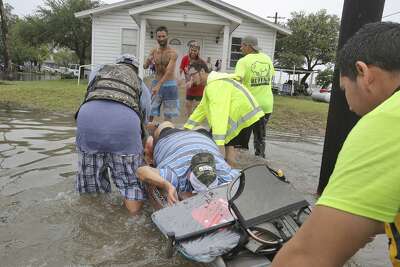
[(341, 120), (142, 41), (225, 48)]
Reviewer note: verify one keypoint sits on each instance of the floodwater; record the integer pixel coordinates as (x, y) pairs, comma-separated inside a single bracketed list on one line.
[(43, 222)]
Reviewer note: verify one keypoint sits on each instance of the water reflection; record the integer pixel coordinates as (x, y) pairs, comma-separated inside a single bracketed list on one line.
[(44, 222)]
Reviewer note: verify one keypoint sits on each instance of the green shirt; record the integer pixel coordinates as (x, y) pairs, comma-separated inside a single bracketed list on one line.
[(256, 71), (366, 178)]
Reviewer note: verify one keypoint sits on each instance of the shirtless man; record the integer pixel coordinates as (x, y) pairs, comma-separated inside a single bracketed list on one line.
[(164, 87)]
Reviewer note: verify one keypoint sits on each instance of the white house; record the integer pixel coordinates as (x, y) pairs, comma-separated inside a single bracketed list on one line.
[(129, 27)]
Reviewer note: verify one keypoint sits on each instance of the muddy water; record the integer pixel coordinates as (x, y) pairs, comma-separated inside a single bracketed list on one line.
[(43, 222)]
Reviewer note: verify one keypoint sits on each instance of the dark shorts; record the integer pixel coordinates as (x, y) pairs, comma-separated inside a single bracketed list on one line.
[(242, 139), (194, 97)]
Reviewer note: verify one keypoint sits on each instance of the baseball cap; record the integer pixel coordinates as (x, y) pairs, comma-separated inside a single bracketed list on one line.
[(128, 59), (251, 41), (203, 172)]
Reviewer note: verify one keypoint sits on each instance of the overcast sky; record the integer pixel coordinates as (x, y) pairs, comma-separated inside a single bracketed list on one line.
[(263, 8)]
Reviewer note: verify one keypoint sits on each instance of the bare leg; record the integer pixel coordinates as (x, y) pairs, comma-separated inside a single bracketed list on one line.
[(230, 155), (133, 206), (188, 107)]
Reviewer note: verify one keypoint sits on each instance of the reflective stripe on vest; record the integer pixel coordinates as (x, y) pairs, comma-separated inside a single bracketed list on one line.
[(235, 125), (243, 90), (244, 118), (191, 123), (219, 137)]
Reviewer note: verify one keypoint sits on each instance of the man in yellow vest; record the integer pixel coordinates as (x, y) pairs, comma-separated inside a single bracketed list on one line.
[(362, 198), (255, 71), (231, 110)]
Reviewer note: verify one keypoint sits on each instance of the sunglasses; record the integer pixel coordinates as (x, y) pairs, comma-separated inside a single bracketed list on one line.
[(193, 73)]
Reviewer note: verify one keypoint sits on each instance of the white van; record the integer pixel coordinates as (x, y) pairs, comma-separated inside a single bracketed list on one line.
[(73, 69)]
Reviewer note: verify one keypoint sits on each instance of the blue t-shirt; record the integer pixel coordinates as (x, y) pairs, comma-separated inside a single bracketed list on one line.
[(108, 126), (173, 154)]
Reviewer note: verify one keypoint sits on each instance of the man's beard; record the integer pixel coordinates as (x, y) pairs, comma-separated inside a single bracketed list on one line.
[(163, 44), (194, 56)]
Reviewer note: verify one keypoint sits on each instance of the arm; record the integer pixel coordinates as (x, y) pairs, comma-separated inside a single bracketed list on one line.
[(328, 238), (198, 115), (240, 70), (149, 59), (168, 72), (219, 106), (152, 176)]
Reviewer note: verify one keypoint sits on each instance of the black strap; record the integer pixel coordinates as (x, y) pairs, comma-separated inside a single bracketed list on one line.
[(117, 81), (113, 89)]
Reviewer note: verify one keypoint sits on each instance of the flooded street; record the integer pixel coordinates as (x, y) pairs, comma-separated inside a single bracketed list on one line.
[(43, 222)]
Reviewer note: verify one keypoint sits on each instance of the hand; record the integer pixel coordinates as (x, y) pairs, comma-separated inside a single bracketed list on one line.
[(189, 84), (155, 89), (172, 194)]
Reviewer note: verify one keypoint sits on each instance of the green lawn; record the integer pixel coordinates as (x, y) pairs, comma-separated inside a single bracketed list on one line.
[(291, 114), (58, 95)]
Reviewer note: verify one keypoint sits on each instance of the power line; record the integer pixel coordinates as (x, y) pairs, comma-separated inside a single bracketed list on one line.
[(391, 14), (276, 17)]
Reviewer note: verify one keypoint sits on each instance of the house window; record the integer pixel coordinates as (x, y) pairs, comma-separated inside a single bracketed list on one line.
[(236, 54), (129, 41)]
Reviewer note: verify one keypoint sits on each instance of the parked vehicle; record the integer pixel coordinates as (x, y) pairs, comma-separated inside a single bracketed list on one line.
[(323, 94), (73, 69), (50, 69)]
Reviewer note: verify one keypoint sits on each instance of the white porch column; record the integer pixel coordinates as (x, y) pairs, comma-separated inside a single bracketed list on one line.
[(142, 38), (225, 49)]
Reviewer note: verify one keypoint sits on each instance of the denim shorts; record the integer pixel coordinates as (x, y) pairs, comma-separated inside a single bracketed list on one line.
[(92, 175)]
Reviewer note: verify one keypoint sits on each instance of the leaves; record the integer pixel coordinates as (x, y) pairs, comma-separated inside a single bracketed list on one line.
[(313, 41), (325, 77), (63, 28)]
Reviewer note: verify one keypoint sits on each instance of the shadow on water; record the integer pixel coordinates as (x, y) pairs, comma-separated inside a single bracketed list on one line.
[(44, 222)]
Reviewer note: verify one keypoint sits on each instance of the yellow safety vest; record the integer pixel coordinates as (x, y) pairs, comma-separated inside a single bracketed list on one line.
[(228, 106), (393, 233)]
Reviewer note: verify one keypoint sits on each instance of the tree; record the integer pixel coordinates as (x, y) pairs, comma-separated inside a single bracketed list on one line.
[(58, 21), (5, 14), (313, 41), (64, 56), (325, 77), (24, 45)]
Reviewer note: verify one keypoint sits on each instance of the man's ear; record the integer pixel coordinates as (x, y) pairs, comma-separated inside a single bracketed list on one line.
[(364, 72), (361, 68)]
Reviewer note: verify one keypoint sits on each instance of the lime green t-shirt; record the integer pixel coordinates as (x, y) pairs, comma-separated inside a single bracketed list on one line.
[(366, 178), (256, 71)]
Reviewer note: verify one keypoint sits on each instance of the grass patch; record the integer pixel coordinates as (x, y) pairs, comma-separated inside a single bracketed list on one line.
[(57, 95), (291, 114), (299, 115)]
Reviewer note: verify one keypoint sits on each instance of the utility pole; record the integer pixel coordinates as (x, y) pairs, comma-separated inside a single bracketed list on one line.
[(341, 120), (4, 38), (275, 17)]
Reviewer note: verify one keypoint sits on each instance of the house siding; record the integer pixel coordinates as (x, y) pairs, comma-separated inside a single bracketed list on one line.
[(107, 27), (265, 35), (107, 30), (186, 10)]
